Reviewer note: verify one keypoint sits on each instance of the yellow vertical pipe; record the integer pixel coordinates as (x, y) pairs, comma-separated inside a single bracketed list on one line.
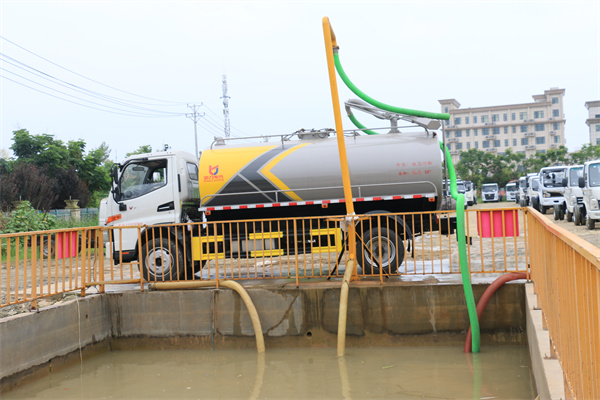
[(330, 43)]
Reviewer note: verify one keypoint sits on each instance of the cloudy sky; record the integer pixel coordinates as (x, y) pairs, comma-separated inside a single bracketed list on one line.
[(124, 72)]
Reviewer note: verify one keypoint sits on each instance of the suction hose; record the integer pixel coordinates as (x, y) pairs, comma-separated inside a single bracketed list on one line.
[(486, 297), (341, 342), (260, 341), (462, 252), (459, 197)]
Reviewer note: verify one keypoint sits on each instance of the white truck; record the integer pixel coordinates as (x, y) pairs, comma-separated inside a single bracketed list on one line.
[(470, 193), (590, 186), (573, 195), (522, 198), (296, 175), (511, 190), (551, 187), (532, 197), (490, 192)]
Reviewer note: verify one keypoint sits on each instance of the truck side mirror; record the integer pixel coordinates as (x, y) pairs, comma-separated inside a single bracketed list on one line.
[(114, 172), (581, 182), (565, 182)]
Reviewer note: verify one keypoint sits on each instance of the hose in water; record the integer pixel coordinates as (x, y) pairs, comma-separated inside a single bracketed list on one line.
[(462, 253), (459, 197), (486, 297)]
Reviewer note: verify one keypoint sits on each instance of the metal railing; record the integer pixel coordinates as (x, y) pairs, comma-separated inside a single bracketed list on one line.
[(41, 264), (566, 274)]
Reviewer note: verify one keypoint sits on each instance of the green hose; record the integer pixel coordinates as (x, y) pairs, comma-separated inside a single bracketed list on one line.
[(462, 253), (383, 106), (459, 197)]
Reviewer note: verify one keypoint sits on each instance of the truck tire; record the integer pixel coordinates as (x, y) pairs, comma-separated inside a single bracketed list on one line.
[(48, 248), (577, 215), (569, 216), (162, 260), (590, 223), (382, 241), (543, 209), (556, 212), (534, 203)]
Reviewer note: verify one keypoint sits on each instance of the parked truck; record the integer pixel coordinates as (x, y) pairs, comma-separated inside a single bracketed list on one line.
[(295, 176), (551, 187), (490, 192), (511, 191), (589, 210), (572, 193)]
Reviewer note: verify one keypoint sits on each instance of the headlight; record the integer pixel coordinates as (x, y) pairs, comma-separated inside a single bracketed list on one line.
[(546, 194), (594, 203)]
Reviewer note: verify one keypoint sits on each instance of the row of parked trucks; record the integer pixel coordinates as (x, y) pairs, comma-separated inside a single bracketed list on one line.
[(572, 192)]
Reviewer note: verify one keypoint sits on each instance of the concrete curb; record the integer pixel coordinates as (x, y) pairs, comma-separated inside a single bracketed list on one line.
[(548, 373)]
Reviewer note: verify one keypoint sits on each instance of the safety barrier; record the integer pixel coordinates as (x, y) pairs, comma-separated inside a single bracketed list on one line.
[(566, 274), (41, 264)]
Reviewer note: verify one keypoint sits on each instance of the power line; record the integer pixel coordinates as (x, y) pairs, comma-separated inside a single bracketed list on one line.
[(73, 87), (85, 105), (90, 79)]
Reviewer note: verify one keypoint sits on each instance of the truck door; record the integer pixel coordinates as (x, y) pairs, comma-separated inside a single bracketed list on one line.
[(146, 196)]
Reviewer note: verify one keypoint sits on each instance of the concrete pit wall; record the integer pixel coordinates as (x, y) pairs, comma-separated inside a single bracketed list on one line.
[(395, 314)]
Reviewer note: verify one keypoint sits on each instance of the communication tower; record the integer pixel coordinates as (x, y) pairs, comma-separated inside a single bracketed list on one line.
[(226, 106)]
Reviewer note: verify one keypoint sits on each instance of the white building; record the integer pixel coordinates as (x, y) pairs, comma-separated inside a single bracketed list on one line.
[(593, 121), (525, 128)]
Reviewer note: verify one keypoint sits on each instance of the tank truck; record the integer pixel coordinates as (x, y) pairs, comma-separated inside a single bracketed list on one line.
[(294, 175)]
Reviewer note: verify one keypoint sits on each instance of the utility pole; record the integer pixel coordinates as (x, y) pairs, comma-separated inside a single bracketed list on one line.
[(226, 107), (195, 116)]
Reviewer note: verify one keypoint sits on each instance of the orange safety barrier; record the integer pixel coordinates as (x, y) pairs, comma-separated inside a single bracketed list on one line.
[(41, 264), (566, 274)]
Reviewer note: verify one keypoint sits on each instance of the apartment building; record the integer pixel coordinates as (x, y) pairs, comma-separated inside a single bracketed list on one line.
[(525, 128), (593, 120)]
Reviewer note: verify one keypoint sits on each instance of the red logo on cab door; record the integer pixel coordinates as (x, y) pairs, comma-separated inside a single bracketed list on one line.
[(213, 170)]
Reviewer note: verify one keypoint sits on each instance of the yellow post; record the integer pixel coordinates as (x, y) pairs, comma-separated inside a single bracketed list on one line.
[(330, 44)]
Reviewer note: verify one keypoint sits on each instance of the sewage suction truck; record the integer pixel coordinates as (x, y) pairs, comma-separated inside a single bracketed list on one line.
[(297, 175)]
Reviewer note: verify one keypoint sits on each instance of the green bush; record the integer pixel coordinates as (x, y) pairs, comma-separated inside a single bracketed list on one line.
[(25, 218)]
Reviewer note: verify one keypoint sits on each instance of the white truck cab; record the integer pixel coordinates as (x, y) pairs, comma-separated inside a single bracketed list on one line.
[(511, 190), (149, 189), (551, 188), (470, 193), (573, 194), (490, 192), (590, 185), (533, 192)]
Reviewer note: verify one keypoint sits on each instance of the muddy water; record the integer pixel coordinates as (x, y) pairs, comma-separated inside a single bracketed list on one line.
[(399, 372)]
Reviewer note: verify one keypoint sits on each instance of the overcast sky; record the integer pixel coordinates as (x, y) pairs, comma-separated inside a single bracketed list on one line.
[(160, 56)]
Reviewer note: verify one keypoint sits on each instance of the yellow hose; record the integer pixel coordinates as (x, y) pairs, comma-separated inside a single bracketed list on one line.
[(260, 340), (341, 343)]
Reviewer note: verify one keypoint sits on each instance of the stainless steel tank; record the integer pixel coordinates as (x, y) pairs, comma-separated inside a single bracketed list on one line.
[(392, 164)]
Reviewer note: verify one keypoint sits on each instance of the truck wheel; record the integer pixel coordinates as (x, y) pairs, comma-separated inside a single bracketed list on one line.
[(577, 216), (569, 216), (590, 223), (384, 242), (556, 213), (162, 260), (543, 209), (534, 203), (48, 248)]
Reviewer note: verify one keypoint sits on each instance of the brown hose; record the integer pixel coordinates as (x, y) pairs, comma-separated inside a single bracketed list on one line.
[(486, 297)]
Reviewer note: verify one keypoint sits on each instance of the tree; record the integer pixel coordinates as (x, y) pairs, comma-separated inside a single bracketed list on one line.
[(27, 182), (74, 173)]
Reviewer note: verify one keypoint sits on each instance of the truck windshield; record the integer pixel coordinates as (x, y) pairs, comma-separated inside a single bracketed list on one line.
[(594, 175), (460, 187), (553, 178), (535, 184), (511, 187), (139, 178), (574, 175), (488, 189)]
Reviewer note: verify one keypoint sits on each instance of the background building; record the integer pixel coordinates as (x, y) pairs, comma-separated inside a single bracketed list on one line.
[(525, 128), (593, 121)]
